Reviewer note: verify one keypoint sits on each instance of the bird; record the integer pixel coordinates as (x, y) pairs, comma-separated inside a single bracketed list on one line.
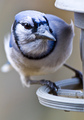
[(39, 44)]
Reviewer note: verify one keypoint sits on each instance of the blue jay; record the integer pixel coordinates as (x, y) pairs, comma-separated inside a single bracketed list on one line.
[(39, 44)]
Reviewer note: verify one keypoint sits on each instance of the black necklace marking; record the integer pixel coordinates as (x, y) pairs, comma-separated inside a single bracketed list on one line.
[(43, 55)]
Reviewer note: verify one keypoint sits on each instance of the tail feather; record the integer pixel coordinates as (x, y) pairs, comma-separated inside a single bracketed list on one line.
[(6, 67)]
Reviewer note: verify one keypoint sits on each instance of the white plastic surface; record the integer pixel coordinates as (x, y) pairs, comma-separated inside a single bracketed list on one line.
[(70, 5), (57, 102), (71, 102)]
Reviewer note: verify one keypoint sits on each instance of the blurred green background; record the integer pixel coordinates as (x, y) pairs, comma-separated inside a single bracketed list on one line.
[(16, 102)]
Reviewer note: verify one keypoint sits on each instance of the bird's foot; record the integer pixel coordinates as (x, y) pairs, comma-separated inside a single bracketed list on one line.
[(52, 86), (78, 74)]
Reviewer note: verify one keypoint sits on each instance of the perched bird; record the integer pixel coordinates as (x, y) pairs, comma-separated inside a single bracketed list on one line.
[(39, 44)]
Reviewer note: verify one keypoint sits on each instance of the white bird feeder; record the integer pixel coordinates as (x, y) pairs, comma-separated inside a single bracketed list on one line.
[(68, 99)]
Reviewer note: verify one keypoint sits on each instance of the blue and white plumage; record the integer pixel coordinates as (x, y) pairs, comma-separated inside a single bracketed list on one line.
[(39, 44)]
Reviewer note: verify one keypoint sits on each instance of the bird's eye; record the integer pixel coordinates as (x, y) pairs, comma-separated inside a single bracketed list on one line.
[(27, 26)]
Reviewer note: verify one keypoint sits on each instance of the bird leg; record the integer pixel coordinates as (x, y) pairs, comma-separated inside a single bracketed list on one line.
[(52, 86), (78, 74)]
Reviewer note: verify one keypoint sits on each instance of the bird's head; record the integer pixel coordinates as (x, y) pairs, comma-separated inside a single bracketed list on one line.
[(30, 26), (32, 32)]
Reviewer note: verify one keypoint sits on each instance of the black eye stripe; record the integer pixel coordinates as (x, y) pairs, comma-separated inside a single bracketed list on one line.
[(35, 23), (46, 20)]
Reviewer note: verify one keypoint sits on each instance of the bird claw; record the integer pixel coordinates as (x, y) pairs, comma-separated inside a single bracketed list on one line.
[(53, 89), (52, 86), (79, 75)]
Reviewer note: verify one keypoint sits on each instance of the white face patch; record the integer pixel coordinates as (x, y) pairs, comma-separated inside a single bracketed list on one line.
[(22, 33)]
